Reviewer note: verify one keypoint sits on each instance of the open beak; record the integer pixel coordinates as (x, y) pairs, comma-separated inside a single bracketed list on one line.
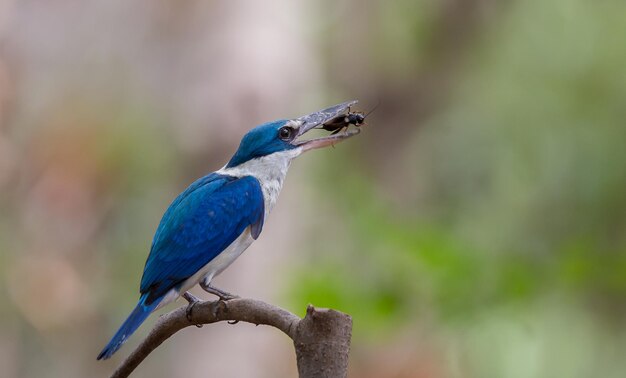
[(311, 121)]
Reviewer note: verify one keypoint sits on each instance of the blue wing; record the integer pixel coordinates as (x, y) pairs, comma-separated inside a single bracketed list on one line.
[(200, 223)]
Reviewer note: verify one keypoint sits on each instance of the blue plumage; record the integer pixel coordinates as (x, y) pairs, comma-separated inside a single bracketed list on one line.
[(221, 214), (260, 141), (201, 222), (130, 325)]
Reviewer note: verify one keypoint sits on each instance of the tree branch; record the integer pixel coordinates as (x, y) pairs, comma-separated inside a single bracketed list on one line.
[(321, 339)]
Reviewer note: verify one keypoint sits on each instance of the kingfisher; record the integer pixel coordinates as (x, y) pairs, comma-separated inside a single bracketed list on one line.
[(218, 216)]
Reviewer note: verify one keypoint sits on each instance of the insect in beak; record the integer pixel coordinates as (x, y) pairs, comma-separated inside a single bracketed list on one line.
[(344, 121)]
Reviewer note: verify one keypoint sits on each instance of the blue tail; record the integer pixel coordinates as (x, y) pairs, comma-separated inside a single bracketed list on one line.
[(134, 320)]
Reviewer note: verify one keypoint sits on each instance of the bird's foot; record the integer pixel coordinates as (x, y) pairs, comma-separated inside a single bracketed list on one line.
[(192, 299), (223, 295)]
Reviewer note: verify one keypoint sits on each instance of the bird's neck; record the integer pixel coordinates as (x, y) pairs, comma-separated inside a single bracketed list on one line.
[(269, 170)]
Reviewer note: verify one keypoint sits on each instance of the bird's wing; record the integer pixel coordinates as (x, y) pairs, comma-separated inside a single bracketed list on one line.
[(200, 223)]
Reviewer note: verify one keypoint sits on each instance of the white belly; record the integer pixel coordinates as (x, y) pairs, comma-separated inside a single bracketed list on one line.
[(214, 267)]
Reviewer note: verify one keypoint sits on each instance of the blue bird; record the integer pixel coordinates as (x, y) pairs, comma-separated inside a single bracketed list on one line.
[(218, 216)]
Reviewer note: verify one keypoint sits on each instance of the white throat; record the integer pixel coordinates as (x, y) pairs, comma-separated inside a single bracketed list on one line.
[(270, 170)]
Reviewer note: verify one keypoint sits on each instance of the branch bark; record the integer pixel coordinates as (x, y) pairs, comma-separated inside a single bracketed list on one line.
[(321, 339), (322, 342)]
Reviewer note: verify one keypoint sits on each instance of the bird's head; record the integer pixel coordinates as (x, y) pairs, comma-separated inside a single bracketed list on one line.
[(283, 137)]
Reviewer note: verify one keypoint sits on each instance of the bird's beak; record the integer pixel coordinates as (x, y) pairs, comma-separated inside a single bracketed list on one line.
[(311, 121)]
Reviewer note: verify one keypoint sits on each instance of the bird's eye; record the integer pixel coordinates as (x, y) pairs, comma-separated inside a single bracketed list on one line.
[(285, 133)]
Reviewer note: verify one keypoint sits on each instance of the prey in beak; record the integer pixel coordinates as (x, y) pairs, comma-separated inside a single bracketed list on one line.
[(317, 119)]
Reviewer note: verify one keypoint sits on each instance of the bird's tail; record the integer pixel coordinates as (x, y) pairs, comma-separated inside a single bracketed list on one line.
[(134, 320)]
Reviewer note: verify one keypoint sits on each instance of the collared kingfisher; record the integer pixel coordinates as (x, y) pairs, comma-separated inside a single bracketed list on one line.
[(218, 216)]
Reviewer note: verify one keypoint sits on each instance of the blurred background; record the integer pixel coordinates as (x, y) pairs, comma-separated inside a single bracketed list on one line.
[(475, 228)]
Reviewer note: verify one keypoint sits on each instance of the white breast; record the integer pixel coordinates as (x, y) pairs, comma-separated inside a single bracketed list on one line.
[(270, 171)]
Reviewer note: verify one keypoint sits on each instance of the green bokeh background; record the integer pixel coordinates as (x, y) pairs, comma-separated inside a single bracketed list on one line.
[(475, 228)]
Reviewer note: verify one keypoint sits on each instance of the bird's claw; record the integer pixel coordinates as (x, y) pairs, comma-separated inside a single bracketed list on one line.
[(189, 309), (232, 321), (227, 296), (221, 294), (192, 299), (189, 316)]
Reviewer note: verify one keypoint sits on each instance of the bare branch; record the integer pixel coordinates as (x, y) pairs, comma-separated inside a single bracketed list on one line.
[(245, 310)]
